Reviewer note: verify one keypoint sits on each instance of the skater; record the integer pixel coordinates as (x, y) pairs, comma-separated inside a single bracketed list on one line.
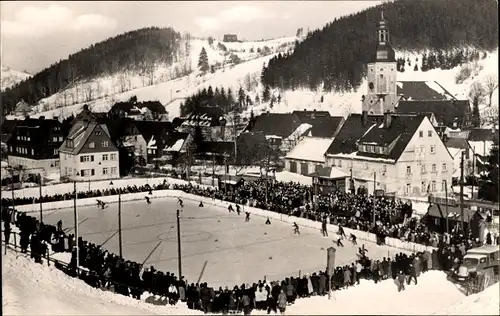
[(201, 204), (59, 226), (238, 209), (296, 228), (341, 231), (247, 218), (401, 281), (230, 208), (362, 251), (101, 204), (324, 231), (352, 238), (181, 203), (147, 199), (268, 222), (339, 242)]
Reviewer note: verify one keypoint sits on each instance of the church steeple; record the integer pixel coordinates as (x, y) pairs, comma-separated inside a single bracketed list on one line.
[(384, 49)]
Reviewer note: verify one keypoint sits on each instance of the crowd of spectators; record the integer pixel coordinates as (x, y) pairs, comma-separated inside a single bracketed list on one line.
[(106, 270)]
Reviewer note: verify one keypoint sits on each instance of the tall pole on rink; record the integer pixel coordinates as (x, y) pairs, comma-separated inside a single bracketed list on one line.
[(76, 229), (179, 243)]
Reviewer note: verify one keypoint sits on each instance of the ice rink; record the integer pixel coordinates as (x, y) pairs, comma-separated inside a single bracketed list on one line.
[(235, 251)]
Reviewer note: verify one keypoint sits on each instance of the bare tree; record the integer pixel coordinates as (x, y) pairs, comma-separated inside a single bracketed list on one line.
[(122, 83), (98, 89), (490, 85), (89, 92), (248, 82)]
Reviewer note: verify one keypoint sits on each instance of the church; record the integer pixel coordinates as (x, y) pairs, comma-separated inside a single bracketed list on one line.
[(385, 150)]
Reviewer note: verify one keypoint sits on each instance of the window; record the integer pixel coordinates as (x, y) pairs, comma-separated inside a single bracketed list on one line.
[(408, 169), (423, 187), (443, 185), (293, 166), (56, 151), (421, 134), (429, 133), (422, 168), (54, 139), (433, 186), (105, 143), (113, 170), (32, 152), (433, 149), (113, 156), (105, 157), (91, 145), (105, 170), (433, 168), (69, 143), (56, 163), (98, 133), (380, 149), (86, 158), (60, 138), (384, 168), (408, 188), (422, 150), (28, 138), (444, 167), (340, 163), (366, 166), (150, 151), (370, 148), (304, 169)]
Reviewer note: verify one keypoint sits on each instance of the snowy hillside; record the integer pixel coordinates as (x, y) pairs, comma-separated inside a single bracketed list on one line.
[(30, 289), (168, 83), (10, 77)]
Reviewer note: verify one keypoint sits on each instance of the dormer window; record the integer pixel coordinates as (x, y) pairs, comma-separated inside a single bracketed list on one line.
[(69, 143)]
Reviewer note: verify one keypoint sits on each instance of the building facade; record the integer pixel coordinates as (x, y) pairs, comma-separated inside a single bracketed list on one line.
[(88, 153)]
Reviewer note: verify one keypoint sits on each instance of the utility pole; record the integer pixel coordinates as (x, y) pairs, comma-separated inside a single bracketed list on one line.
[(76, 228), (235, 137), (352, 184), (40, 200), (446, 196), (473, 168), (462, 190), (213, 170), (267, 170), (120, 222), (374, 198), (179, 243), (225, 172), (188, 163)]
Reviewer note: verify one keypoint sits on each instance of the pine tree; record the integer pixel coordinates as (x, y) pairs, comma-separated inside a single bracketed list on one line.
[(241, 97), (476, 95), (203, 61), (488, 190), (266, 94)]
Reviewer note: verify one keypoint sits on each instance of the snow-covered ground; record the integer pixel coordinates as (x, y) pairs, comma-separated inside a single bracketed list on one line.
[(10, 77), (33, 289)]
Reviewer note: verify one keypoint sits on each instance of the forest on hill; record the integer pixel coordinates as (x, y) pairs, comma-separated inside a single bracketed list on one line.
[(139, 50), (336, 55)]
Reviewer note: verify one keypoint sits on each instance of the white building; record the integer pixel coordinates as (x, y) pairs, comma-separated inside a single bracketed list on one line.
[(402, 153), (88, 153), (308, 155)]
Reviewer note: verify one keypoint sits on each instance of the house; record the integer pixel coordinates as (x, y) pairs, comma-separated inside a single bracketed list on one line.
[(178, 146), (88, 153), (155, 134), (455, 147), (215, 151), (125, 134), (327, 180), (34, 144), (6, 129), (422, 91), (455, 114), (230, 38), (22, 109), (401, 153), (481, 140), (438, 215), (208, 118), (308, 155), (322, 123)]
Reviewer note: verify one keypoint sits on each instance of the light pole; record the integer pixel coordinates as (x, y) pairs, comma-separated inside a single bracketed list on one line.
[(179, 243), (120, 247)]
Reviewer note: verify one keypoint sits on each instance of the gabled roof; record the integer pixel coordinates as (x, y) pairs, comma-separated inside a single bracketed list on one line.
[(306, 115), (398, 135), (439, 211), (351, 132), (22, 106), (158, 129), (482, 134), (310, 149), (325, 126), (422, 91), (457, 142), (205, 116), (277, 124), (175, 142), (40, 129), (79, 134), (445, 111), (218, 148), (329, 173)]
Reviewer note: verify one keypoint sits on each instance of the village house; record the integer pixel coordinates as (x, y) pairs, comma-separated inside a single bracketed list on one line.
[(402, 153), (308, 155), (34, 145), (481, 139), (456, 146), (230, 38), (22, 109), (88, 153), (210, 119), (155, 135), (322, 123)]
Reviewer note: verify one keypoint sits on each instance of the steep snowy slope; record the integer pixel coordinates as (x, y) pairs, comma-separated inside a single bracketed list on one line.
[(10, 77)]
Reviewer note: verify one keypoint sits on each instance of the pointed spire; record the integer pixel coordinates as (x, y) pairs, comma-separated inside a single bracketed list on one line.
[(382, 15)]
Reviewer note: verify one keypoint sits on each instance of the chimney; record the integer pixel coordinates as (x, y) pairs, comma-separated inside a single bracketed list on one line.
[(387, 119), (364, 117)]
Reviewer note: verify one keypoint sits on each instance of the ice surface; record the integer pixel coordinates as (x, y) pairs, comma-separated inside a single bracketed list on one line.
[(236, 251)]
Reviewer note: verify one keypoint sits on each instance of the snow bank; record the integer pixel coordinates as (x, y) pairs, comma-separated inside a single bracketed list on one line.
[(34, 289), (484, 303)]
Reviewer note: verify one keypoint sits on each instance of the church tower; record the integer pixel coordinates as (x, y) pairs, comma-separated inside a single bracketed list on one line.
[(381, 95)]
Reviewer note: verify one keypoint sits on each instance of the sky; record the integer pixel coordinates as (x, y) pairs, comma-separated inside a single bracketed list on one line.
[(36, 34)]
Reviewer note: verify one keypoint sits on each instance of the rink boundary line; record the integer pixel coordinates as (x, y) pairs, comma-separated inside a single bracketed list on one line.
[(169, 193)]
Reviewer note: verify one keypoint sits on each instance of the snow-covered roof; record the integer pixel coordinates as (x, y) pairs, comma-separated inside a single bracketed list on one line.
[(299, 131), (177, 146), (4, 164), (310, 149)]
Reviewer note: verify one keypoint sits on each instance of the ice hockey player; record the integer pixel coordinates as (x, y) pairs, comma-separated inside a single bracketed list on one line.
[(352, 238), (181, 203), (201, 204), (147, 199), (324, 231), (247, 217), (268, 222), (230, 208), (296, 228), (401, 281), (59, 226), (238, 210), (339, 242), (101, 204)]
